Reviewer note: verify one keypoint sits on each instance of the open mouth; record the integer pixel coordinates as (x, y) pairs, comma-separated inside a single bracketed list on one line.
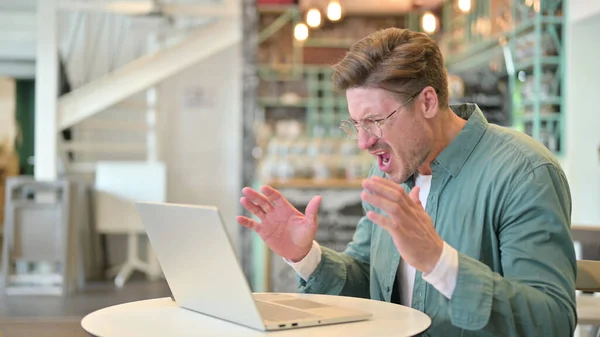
[(384, 159)]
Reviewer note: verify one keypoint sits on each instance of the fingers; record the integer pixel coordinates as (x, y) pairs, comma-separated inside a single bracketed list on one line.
[(384, 182), (253, 208), (385, 188), (273, 195), (247, 222), (392, 208), (381, 220), (257, 199), (414, 195), (313, 208), (383, 191)]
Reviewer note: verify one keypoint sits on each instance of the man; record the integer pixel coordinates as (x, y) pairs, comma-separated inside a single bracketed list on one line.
[(465, 221)]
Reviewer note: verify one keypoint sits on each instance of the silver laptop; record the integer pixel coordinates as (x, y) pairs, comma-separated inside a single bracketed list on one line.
[(201, 268)]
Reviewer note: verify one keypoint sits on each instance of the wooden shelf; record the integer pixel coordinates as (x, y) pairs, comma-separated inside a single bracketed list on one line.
[(528, 40), (528, 117), (278, 102), (275, 8), (555, 100), (527, 64), (312, 183)]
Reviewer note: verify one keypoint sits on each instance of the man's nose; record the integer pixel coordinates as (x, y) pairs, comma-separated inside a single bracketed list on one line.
[(365, 140)]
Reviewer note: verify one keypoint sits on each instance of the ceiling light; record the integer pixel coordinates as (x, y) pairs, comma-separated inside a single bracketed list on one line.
[(429, 23), (334, 10), (313, 18), (301, 32), (464, 5)]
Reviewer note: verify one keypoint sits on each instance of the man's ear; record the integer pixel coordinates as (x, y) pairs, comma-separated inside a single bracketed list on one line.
[(429, 102)]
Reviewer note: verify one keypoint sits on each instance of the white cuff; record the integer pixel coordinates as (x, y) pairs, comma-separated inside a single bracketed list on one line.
[(444, 274), (309, 263)]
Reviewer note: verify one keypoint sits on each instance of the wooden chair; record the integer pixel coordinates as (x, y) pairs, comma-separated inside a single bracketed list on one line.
[(588, 276), (588, 306), (588, 280)]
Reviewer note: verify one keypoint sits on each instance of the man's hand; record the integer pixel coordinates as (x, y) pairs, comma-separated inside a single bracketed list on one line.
[(407, 222), (287, 231)]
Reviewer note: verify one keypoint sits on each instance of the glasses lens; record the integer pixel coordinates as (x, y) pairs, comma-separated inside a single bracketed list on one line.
[(372, 128), (350, 129)]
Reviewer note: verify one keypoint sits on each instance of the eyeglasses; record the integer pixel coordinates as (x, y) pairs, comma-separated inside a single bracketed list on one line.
[(371, 126)]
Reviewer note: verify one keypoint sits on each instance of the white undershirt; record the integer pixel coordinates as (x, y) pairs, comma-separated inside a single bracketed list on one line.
[(406, 272), (442, 277)]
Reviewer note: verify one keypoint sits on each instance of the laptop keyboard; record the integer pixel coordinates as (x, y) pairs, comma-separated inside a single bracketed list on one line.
[(274, 312)]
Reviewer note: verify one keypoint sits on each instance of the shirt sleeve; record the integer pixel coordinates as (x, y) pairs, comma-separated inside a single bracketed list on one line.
[(309, 263), (444, 274), (535, 293), (346, 273)]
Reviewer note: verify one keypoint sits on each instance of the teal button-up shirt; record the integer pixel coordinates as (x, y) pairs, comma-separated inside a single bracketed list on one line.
[(502, 201)]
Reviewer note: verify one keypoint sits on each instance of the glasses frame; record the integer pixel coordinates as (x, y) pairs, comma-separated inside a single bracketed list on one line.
[(377, 122)]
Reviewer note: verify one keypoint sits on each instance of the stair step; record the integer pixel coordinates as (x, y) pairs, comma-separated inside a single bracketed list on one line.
[(137, 104), (82, 167), (112, 125), (112, 147)]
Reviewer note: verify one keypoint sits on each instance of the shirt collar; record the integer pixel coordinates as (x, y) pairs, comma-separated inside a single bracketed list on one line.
[(454, 156)]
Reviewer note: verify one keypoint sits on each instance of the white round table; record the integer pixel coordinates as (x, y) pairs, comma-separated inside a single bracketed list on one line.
[(162, 317)]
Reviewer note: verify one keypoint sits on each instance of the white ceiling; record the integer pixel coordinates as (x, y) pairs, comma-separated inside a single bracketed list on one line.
[(18, 5), (374, 6), (349, 6), (30, 5)]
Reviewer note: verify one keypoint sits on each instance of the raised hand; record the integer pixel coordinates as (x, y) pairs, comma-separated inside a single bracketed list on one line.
[(407, 222), (287, 231)]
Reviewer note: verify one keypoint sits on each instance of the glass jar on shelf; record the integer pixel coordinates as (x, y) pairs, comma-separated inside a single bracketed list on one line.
[(302, 166), (321, 168), (285, 169)]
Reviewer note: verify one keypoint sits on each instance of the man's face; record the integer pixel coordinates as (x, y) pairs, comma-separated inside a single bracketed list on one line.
[(406, 138)]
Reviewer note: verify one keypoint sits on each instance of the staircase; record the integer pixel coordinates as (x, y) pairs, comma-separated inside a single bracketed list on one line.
[(112, 65), (126, 131), (112, 111), (113, 61)]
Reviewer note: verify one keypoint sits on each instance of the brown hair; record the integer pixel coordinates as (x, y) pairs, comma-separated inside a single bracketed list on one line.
[(394, 59)]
